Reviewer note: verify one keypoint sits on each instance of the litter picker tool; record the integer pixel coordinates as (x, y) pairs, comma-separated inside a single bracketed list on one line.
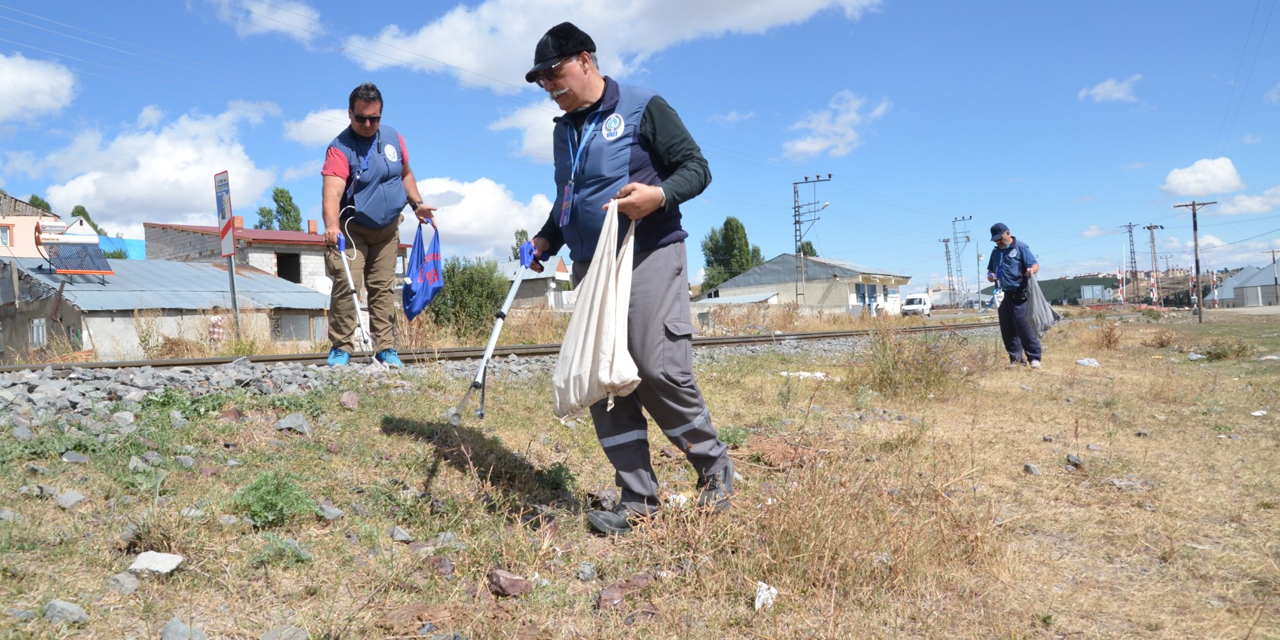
[(366, 342), (478, 383)]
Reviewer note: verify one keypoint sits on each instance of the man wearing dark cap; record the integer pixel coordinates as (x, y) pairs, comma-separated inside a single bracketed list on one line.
[(626, 143), (1011, 266)]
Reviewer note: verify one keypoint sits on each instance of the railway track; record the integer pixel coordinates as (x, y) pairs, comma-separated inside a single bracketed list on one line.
[(417, 356)]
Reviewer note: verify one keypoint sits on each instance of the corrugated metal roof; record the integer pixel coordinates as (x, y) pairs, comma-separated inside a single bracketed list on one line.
[(754, 298), (1262, 277), (253, 235), (161, 284), (782, 269)]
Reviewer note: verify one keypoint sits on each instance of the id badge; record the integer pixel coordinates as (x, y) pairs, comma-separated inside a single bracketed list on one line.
[(568, 204)]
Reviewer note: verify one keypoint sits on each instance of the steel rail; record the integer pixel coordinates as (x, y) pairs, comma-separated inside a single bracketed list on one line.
[(464, 353)]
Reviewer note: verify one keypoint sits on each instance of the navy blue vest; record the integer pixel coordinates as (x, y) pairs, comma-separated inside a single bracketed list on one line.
[(377, 195), (612, 158)]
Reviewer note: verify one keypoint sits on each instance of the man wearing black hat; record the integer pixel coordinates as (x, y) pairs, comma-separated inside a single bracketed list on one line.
[(1011, 266), (626, 143)]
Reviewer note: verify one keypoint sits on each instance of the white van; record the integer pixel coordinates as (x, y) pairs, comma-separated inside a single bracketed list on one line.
[(917, 304)]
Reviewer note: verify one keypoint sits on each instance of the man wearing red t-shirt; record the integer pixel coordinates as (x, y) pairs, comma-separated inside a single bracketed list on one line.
[(367, 182)]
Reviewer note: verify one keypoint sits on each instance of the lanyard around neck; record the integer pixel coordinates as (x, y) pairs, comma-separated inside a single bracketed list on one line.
[(364, 166), (576, 155)]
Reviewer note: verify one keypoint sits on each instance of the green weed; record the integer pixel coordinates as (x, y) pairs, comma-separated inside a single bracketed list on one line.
[(282, 552), (274, 498)]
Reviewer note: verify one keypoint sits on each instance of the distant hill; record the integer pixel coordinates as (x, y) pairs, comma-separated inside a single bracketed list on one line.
[(1068, 288)]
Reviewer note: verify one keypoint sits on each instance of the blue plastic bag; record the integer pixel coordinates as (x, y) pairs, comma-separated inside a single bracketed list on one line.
[(425, 276)]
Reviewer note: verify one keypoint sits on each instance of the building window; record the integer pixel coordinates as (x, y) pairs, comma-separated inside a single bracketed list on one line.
[(6, 235), (38, 338), (290, 327), (289, 267)]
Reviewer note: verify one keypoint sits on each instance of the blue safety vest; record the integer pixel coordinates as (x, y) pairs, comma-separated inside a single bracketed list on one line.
[(374, 192)]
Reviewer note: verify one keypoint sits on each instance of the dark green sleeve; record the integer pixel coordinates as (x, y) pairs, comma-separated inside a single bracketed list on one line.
[(680, 164)]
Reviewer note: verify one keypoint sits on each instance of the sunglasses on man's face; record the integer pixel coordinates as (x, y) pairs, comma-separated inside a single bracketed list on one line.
[(550, 75), (366, 119)]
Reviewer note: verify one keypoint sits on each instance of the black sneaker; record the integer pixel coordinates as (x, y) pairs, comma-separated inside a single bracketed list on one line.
[(717, 489), (616, 521)]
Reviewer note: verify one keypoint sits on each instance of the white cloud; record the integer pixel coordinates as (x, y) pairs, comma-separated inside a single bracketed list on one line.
[(33, 88), (1203, 178), (491, 43), (317, 128), (151, 116), (1112, 90), (536, 126), (309, 169), (1094, 231), (297, 20), (1246, 204), (833, 131), (163, 174), (1249, 138), (1273, 96), (733, 117), (1134, 166), (478, 218)]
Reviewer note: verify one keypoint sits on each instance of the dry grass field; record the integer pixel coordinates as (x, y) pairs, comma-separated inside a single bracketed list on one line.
[(888, 499)]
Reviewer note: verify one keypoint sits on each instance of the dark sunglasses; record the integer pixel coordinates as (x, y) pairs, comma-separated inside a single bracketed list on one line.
[(366, 119), (549, 75)]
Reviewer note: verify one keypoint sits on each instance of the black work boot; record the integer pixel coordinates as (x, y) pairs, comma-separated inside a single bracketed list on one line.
[(717, 489), (616, 521)]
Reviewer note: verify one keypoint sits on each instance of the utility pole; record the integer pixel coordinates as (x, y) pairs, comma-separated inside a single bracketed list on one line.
[(1132, 273), (1195, 235), (960, 235), (804, 213), (1155, 264), (1275, 277), (1166, 257), (951, 280)]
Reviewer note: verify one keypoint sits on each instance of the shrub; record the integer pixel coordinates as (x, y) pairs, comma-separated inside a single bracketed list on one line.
[(1108, 336), (733, 436), (282, 552), (1223, 349), (1152, 314), (473, 291), (913, 367), (273, 498), (1161, 339)]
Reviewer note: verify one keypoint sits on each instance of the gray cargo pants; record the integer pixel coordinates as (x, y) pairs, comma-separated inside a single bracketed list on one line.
[(660, 339)]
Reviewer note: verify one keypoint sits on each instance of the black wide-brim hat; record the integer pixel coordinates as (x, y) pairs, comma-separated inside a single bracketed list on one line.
[(560, 41)]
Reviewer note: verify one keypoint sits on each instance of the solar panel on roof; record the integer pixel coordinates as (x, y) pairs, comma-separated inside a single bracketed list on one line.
[(78, 259)]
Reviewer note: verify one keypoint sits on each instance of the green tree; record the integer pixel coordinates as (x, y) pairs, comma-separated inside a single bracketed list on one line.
[(80, 212), (36, 201), (522, 237), (288, 215), (727, 253), (116, 254), (266, 219), (473, 291), (807, 249)]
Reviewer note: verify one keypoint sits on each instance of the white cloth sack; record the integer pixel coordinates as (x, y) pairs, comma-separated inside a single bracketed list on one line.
[(594, 362), (1041, 316)]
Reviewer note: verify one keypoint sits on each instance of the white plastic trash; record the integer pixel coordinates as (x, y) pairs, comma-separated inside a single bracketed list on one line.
[(1258, 414), (1088, 362), (765, 596)]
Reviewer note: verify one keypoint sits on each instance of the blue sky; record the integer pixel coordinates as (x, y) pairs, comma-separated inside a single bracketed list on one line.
[(1063, 120)]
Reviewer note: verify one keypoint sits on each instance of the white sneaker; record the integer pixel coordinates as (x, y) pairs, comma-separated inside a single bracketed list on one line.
[(1035, 364)]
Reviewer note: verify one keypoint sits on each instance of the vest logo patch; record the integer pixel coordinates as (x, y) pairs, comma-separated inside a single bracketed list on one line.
[(392, 154), (1013, 254), (613, 127)]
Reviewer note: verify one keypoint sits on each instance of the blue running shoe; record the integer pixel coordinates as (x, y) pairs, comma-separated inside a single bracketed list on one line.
[(338, 357), (390, 358)]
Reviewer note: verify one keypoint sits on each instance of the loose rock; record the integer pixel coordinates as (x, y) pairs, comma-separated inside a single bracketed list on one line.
[(285, 632), (123, 583), (505, 583), (74, 457), (155, 562), (186, 462), (61, 611), (294, 422), (174, 629), (399, 535), (70, 499), (1031, 469), (349, 400), (586, 572)]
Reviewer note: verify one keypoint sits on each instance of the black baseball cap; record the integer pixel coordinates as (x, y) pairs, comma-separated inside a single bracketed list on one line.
[(560, 41), (998, 230)]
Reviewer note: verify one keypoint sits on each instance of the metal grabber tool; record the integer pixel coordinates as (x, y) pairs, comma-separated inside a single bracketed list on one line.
[(366, 341), (455, 417)]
